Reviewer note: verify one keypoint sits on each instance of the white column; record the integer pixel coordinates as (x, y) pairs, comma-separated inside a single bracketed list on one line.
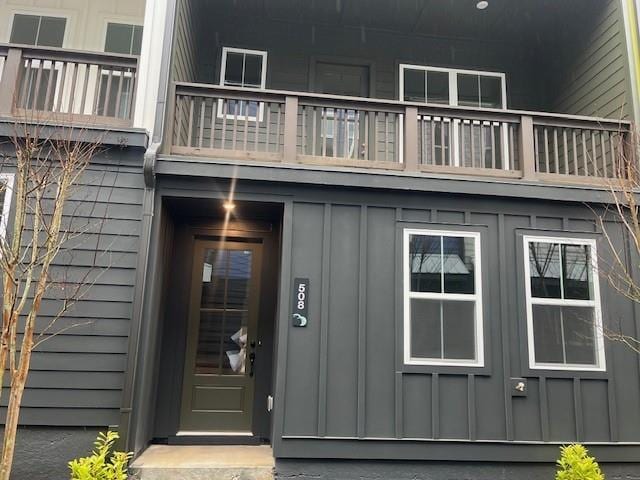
[(151, 60)]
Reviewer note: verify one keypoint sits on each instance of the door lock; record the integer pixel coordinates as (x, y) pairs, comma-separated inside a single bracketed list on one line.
[(252, 361)]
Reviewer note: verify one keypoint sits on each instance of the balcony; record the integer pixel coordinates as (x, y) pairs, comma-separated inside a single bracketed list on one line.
[(252, 125), (419, 87), (67, 86)]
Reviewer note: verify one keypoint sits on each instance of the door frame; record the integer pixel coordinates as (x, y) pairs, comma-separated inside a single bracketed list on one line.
[(339, 60), (201, 244), (172, 351)]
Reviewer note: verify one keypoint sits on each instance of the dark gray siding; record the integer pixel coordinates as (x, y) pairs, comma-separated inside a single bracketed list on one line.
[(597, 80), (77, 374), (183, 66), (342, 390), (343, 374)]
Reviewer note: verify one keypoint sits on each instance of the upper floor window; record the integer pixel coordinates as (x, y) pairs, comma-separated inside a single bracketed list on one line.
[(246, 69), (38, 30), (563, 304), (123, 38), (442, 298), (450, 86)]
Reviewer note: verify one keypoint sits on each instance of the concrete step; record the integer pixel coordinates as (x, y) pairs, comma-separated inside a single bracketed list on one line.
[(215, 462)]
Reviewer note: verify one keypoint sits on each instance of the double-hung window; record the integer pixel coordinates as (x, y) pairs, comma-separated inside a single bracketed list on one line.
[(564, 323), (442, 298), (245, 69)]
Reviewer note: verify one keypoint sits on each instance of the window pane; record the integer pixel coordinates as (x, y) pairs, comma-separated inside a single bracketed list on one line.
[(425, 329), (459, 330), (425, 263), (544, 265), (51, 31), (438, 87), (118, 38), (252, 71), (468, 94), (459, 264), (576, 272), (579, 335), (25, 29), (491, 92), (547, 334), (414, 86), (136, 44), (233, 71)]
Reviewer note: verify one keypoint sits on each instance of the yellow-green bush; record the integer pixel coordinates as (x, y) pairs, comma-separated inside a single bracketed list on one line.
[(576, 464), (102, 464)]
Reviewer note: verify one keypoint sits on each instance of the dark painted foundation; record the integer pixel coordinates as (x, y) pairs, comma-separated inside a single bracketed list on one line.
[(386, 470), (43, 453)]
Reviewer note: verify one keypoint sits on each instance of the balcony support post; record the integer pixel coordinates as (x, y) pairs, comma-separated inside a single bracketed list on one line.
[(526, 147), (411, 139), (290, 148), (9, 81)]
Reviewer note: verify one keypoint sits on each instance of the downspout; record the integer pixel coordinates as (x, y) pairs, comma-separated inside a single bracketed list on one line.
[(136, 334)]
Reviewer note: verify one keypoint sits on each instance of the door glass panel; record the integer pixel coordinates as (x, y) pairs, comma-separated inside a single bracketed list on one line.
[(468, 90), (414, 85), (438, 87), (490, 92), (222, 336)]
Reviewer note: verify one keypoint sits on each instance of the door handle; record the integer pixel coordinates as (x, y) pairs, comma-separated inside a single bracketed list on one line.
[(252, 361)]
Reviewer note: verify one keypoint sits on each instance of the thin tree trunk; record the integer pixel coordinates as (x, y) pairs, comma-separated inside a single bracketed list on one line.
[(11, 423)]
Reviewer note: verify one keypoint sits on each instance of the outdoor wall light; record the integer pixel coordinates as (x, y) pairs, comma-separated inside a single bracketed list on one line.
[(228, 206), (482, 4)]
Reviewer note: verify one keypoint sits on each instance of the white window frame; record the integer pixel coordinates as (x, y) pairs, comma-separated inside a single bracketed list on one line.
[(475, 297), (7, 179), (600, 364), (453, 101), (263, 81)]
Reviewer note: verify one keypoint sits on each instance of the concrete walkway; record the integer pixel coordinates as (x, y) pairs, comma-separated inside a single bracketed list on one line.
[(228, 462)]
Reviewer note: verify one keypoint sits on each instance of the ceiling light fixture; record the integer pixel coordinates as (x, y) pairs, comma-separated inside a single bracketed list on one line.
[(482, 4), (228, 206)]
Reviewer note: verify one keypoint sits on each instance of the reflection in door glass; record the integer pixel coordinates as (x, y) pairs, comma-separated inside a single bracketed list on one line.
[(222, 336)]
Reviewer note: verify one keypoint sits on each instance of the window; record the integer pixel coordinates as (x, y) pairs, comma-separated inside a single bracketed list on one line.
[(449, 86), (6, 190), (442, 298), (245, 69), (118, 84), (123, 38), (38, 30), (563, 304)]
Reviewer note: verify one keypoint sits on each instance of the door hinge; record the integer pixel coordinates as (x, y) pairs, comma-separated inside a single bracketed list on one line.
[(269, 403)]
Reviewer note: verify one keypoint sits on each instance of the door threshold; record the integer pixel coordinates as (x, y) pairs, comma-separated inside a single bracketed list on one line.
[(216, 438)]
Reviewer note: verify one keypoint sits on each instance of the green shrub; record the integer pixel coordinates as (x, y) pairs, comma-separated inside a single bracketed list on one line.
[(102, 464), (576, 464)]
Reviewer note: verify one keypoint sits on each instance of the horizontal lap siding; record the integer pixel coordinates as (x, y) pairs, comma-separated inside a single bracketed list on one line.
[(344, 375), (77, 371), (597, 80)]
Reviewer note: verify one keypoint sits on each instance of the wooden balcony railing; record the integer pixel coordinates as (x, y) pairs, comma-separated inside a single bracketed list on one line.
[(295, 127), (52, 84)]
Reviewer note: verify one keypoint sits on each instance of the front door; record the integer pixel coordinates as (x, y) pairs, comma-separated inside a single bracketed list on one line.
[(218, 386)]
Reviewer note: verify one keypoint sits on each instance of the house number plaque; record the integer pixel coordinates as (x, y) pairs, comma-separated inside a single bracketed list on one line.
[(300, 302)]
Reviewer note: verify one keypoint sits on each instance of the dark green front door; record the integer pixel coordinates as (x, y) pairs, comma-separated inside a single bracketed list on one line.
[(218, 387)]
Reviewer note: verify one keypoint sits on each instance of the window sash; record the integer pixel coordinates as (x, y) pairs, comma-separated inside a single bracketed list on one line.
[(594, 303), (242, 108), (475, 297)]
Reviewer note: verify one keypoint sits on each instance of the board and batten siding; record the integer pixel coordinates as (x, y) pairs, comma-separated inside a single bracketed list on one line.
[(184, 67), (343, 376), (77, 375), (597, 82)]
